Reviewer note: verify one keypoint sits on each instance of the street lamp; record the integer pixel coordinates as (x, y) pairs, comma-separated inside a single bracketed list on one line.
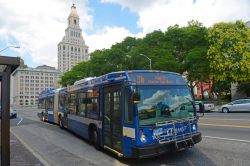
[(148, 59), (9, 47)]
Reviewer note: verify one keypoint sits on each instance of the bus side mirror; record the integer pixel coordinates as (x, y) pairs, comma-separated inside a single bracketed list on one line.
[(136, 97)]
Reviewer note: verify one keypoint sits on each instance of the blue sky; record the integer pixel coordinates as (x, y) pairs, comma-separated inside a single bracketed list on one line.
[(103, 12), (39, 25)]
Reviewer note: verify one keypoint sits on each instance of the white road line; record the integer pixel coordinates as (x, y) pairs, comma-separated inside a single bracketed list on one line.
[(19, 121), (227, 139)]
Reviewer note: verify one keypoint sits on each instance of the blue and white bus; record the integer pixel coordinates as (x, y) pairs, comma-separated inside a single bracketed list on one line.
[(134, 113), (51, 110)]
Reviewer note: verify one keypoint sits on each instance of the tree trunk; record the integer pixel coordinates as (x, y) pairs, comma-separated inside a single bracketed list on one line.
[(202, 91), (219, 98), (192, 90)]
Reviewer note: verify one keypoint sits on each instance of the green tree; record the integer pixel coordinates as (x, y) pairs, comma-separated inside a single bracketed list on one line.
[(229, 51), (221, 87), (78, 72), (197, 67), (195, 61)]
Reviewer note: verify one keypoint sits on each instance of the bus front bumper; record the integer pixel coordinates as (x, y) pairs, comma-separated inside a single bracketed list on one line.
[(157, 149)]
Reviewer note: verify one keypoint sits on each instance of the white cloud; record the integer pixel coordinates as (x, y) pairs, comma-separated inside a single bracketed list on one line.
[(160, 14), (156, 97), (38, 26), (135, 5), (106, 37)]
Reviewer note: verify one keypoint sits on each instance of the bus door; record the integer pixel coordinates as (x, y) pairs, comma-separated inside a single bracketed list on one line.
[(112, 114), (49, 108)]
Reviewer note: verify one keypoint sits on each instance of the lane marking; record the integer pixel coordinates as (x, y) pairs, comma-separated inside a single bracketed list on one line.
[(19, 121), (227, 139), (224, 125), (241, 119)]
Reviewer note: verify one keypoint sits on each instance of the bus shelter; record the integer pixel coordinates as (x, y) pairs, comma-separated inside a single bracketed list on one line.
[(7, 66)]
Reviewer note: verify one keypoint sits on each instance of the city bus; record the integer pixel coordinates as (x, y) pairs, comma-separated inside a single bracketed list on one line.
[(134, 114), (51, 111)]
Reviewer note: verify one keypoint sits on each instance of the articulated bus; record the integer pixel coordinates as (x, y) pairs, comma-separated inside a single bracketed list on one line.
[(136, 113), (49, 104)]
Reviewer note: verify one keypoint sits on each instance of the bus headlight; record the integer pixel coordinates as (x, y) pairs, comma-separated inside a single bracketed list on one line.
[(194, 127), (143, 138)]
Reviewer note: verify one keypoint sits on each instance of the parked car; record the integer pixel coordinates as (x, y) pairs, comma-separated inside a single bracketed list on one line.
[(237, 105), (13, 113), (207, 106)]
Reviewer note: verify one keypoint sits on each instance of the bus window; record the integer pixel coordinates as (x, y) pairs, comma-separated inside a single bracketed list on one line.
[(93, 104), (41, 103), (95, 108), (129, 115), (62, 101), (49, 102), (72, 103), (81, 104)]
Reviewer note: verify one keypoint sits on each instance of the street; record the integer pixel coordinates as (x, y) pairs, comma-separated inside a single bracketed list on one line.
[(226, 141)]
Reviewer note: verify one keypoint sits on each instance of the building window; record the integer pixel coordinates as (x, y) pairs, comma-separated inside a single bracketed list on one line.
[(75, 22)]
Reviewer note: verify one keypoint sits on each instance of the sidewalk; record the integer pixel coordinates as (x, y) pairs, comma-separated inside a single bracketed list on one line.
[(20, 155)]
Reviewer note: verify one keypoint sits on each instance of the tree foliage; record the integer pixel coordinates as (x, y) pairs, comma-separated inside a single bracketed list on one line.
[(229, 51), (220, 53), (172, 50)]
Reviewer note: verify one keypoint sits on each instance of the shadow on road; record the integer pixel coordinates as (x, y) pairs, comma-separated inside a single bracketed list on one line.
[(187, 157)]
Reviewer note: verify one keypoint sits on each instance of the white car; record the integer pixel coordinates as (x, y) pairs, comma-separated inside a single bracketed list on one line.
[(207, 106), (13, 113), (237, 105)]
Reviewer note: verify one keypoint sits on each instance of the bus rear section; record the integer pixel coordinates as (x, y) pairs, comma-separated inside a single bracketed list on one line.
[(49, 105)]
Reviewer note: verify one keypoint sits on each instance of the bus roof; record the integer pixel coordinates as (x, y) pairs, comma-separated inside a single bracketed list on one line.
[(111, 77), (50, 92)]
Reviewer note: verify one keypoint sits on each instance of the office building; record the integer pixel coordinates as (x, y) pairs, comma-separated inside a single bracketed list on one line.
[(28, 82)]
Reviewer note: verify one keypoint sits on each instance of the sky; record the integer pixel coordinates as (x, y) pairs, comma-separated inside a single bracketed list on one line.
[(37, 26)]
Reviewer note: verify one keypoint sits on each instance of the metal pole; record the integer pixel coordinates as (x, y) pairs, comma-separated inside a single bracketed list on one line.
[(148, 59), (5, 117), (150, 64)]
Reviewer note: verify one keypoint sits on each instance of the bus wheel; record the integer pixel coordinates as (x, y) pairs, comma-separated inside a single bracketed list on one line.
[(94, 139), (61, 123)]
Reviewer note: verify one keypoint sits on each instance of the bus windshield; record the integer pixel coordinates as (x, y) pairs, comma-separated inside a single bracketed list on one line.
[(161, 103)]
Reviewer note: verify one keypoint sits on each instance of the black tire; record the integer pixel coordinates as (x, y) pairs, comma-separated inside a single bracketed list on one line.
[(61, 123), (225, 110), (94, 138)]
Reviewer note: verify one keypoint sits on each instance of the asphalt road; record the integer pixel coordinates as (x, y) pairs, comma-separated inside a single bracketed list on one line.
[(226, 141)]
